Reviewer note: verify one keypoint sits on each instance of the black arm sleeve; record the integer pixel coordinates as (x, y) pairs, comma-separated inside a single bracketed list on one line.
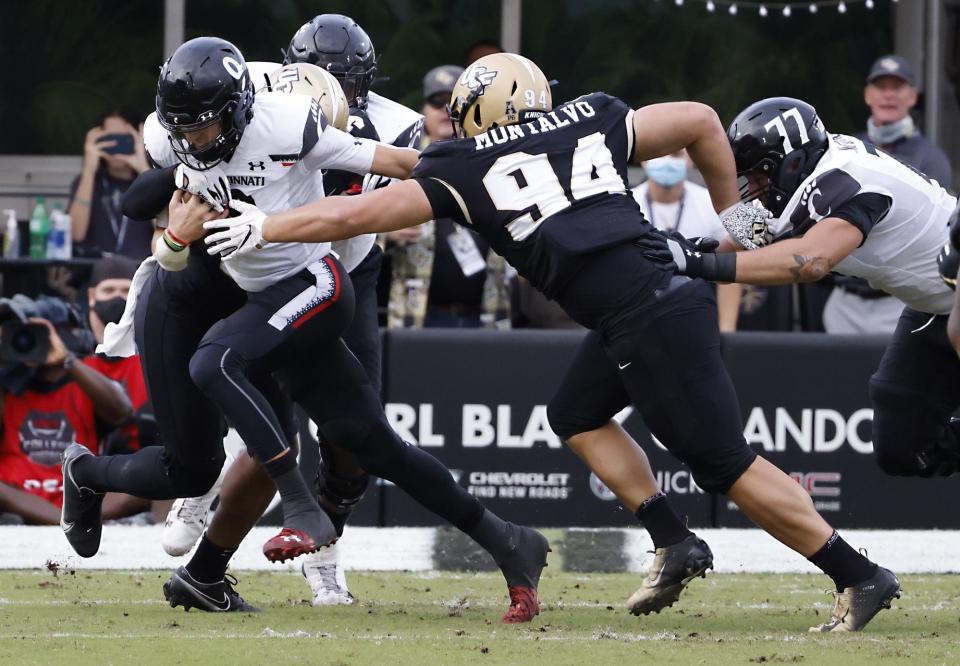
[(441, 199), (864, 211), (148, 194)]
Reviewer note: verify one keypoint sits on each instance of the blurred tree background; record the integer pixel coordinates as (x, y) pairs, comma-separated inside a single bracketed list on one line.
[(69, 62)]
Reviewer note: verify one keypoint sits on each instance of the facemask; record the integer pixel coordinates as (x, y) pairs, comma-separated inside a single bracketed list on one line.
[(110, 311), (667, 171), (888, 134)]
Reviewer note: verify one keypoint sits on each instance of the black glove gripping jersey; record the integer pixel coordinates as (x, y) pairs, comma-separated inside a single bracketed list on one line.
[(545, 194)]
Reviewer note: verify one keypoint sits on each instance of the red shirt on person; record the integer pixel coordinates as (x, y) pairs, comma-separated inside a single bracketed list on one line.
[(37, 427), (129, 374)]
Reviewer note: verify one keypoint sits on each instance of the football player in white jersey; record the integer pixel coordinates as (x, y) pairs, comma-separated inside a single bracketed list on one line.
[(299, 301), (837, 203), (343, 49)]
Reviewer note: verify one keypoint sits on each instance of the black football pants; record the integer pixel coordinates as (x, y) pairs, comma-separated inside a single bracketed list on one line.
[(664, 359)]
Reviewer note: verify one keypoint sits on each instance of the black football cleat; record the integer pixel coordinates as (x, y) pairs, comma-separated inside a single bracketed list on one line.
[(857, 604), (673, 568), (80, 515), (219, 597)]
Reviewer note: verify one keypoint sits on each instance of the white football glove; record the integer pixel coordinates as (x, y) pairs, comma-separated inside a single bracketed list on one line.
[(747, 224), (211, 185), (236, 236)]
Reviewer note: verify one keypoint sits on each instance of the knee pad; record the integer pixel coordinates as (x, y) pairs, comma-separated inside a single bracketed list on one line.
[(714, 467), (566, 422), (205, 370), (339, 495), (910, 437)]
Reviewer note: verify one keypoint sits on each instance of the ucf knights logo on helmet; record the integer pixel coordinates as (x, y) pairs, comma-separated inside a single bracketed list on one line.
[(478, 77)]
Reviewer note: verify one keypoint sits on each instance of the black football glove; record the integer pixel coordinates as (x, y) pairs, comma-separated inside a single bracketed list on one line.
[(685, 256)]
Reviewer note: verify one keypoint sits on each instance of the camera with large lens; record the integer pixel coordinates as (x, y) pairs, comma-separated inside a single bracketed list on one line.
[(21, 341)]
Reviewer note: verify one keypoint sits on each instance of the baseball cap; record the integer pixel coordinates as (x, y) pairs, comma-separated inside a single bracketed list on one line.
[(441, 79), (113, 267), (891, 65)]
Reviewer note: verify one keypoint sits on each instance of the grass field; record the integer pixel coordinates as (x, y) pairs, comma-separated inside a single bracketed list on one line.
[(404, 618)]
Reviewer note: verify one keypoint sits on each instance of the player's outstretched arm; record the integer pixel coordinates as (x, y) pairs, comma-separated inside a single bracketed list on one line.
[(394, 162), (805, 259), (332, 218), (662, 129)]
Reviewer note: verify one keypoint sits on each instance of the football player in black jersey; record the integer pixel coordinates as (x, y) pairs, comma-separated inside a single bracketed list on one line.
[(548, 189)]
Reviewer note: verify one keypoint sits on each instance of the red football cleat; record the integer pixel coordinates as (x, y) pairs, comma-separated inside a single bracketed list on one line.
[(524, 605), (289, 544)]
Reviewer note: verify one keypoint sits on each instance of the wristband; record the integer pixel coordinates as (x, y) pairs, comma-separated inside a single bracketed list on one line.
[(68, 361), (173, 237), (719, 267), (174, 247), (83, 202), (170, 258)]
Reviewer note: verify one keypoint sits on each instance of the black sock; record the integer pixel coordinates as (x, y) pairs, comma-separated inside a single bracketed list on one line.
[(209, 563), (495, 535), (842, 563), (300, 508), (290, 484), (663, 524), (143, 474)]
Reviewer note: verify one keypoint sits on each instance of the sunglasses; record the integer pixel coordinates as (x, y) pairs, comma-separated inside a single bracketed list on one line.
[(438, 101)]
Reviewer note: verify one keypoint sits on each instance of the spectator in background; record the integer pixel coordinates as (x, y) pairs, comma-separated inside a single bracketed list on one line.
[(107, 297), (854, 307), (672, 203), (480, 48), (47, 407), (113, 155), (443, 275)]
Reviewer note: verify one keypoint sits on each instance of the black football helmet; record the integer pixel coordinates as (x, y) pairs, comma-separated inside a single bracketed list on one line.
[(337, 44), (205, 81), (781, 138)]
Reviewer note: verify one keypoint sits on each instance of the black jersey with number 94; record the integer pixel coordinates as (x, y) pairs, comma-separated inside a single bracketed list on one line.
[(546, 193)]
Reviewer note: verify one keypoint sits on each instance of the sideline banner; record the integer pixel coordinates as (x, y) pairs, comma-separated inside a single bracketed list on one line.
[(477, 401), (806, 408)]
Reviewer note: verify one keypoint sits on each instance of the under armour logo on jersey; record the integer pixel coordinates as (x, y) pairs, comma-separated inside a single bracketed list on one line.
[(257, 166), (478, 77)]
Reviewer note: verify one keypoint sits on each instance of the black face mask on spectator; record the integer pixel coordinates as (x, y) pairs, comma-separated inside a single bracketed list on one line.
[(110, 310)]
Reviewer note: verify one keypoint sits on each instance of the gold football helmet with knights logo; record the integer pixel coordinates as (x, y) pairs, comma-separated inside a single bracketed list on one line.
[(498, 89), (305, 79)]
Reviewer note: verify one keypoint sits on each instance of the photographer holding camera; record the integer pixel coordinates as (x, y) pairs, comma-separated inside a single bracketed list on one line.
[(50, 399), (113, 155)]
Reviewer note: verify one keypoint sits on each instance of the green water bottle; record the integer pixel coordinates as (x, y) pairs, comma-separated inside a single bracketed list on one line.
[(39, 228)]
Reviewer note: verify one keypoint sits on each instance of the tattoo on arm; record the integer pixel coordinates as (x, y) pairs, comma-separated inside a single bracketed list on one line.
[(810, 269)]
